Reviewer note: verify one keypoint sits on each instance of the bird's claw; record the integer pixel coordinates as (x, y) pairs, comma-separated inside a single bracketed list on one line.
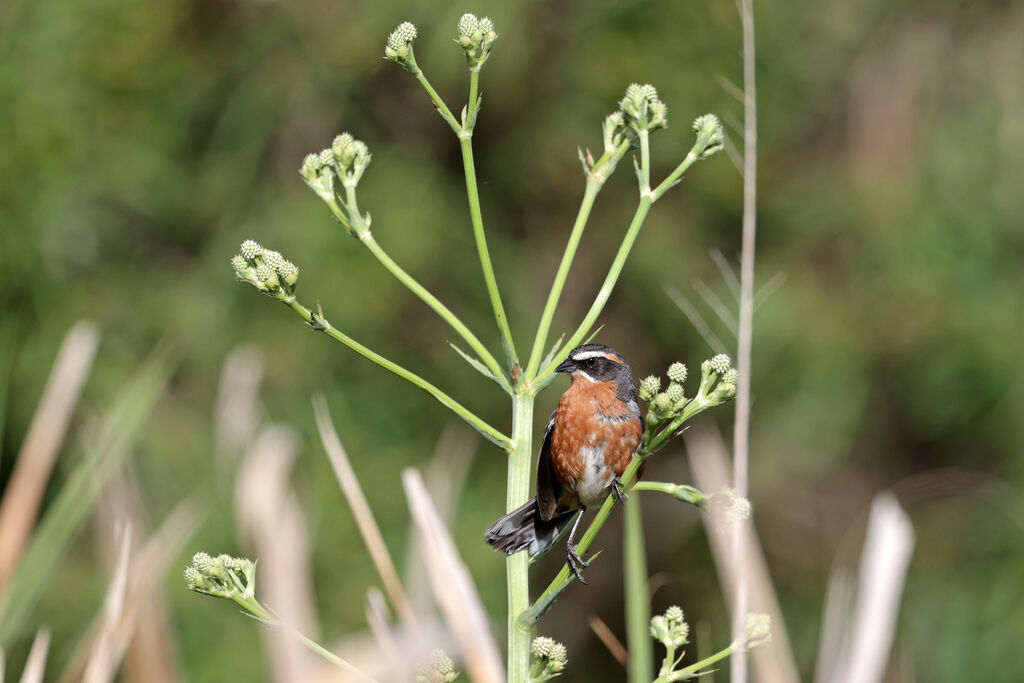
[(576, 563), (616, 491)]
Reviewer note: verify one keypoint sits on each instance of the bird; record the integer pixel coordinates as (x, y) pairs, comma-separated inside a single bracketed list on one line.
[(590, 439)]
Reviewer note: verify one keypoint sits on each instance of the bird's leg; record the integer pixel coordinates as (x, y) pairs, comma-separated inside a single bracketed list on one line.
[(575, 562), (616, 491)]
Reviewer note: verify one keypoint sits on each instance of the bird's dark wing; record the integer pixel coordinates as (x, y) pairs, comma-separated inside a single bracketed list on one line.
[(548, 488)]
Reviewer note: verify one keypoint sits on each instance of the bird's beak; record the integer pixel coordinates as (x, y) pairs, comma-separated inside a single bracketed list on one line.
[(566, 366)]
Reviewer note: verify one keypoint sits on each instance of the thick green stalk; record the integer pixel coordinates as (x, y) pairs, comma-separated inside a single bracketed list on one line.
[(466, 142), (638, 613), (320, 323), (517, 565), (536, 355)]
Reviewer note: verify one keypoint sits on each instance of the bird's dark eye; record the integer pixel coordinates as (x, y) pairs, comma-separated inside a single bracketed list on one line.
[(591, 362)]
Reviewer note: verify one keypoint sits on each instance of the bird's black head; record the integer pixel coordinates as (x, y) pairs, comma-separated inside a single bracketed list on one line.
[(597, 363)]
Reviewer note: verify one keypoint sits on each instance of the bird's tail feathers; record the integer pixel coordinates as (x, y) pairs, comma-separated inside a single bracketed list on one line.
[(523, 529)]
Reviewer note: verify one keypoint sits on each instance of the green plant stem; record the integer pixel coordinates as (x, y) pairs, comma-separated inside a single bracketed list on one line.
[(687, 494), (471, 106), (646, 199), (638, 614), (466, 143), (253, 606), (645, 160), (606, 289), (536, 355), (442, 108), (695, 668), (352, 217), (517, 565), (416, 288), (320, 323)]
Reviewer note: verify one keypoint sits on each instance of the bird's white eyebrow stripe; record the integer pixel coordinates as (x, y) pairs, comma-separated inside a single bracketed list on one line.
[(593, 354), (580, 372)]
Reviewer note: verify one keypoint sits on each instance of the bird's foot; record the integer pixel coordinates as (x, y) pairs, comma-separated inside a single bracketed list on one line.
[(617, 491), (575, 562)]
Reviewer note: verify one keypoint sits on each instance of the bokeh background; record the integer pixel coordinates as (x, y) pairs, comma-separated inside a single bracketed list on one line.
[(143, 141)]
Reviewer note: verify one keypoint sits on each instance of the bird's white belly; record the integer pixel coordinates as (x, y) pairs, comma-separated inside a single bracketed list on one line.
[(592, 487)]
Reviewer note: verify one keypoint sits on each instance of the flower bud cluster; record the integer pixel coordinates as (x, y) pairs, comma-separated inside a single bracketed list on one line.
[(346, 160), (718, 379), (670, 628), (440, 668), (476, 38), (399, 46), (642, 108), (550, 658), (710, 135), (222, 576), (343, 162), (266, 270)]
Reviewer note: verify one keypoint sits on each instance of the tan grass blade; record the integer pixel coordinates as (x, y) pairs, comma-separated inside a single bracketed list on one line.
[(145, 611), (608, 639), (238, 412), (709, 462), (270, 518), (453, 587), (864, 652), (20, 505), (361, 511), (35, 665), (105, 654), (445, 477)]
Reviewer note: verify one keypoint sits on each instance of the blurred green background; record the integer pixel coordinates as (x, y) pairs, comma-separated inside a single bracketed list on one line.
[(142, 141)]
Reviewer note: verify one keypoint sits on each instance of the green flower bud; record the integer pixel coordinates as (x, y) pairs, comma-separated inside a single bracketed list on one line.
[(730, 376), (326, 158), (675, 392), (273, 259), (239, 264), (289, 274), (250, 250), (203, 562), (193, 579), (615, 131), (710, 135), (340, 146), (677, 373), (310, 167), (351, 156), (663, 403), (541, 646), (318, 172), (557, 659), (670, 628), (643, 109), (467, 25), (476, 37), (399, 46), (649, 387), (721, 363), (659, 628)]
